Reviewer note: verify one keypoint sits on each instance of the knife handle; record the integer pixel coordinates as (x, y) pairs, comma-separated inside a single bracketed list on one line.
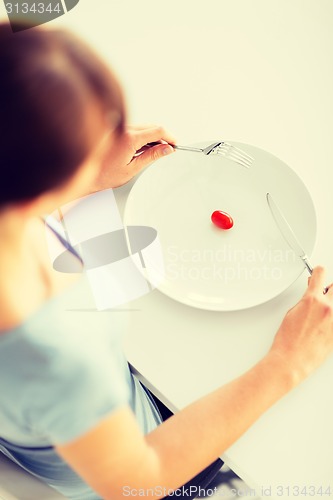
[(310, 269)]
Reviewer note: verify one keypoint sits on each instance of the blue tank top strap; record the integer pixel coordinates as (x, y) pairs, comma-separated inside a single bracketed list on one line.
[(63, 241)]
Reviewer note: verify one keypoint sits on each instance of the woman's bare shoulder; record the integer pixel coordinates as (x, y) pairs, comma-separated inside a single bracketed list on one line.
[(26, 284)]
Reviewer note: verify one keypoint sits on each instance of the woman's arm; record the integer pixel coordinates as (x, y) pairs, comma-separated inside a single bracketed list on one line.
[(116, 454), (114, 162)]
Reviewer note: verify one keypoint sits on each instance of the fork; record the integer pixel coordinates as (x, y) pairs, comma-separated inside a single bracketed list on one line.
[(217, 148)]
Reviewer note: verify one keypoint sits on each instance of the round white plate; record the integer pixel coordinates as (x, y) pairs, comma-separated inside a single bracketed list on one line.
[(210, 268)]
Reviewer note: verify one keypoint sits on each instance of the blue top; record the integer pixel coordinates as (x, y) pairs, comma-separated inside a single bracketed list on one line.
[(61, 373)]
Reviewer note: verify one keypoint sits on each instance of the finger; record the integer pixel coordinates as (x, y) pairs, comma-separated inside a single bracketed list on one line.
[(149, 145), (144, 148), (316, 284), (149, 156), (141, 137)]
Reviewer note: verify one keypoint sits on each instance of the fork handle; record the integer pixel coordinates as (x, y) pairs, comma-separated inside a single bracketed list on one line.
[(188, 148), (182, 148)]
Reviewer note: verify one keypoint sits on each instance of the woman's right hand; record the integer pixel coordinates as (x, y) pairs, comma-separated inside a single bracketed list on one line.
[(121, 162), (305, 337)]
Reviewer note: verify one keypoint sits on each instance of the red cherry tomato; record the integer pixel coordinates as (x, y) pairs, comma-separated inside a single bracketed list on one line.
[(222, 219)]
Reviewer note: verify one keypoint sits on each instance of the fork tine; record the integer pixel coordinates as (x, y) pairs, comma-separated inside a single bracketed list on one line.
[(241, 157), (235, 154), (240, 160), (230, 149), (236, 149), (236, 158)]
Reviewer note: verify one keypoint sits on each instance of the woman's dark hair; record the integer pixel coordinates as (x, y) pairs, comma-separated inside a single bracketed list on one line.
[(48, 82)]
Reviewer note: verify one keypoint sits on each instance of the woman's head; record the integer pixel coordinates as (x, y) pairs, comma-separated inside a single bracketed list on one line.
[(55, 94)]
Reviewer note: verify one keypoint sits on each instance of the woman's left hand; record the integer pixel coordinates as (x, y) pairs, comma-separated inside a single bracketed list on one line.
[(129, 155)]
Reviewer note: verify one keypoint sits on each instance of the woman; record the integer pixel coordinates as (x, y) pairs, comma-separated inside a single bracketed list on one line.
[(70, 410)]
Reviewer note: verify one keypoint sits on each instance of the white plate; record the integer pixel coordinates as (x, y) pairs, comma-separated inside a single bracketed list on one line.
[(210, 268)]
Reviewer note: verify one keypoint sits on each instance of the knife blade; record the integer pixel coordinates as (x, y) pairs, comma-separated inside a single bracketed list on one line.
[(287, 232)]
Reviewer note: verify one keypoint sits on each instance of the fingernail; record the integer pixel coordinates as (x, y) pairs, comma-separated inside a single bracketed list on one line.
[(167, 150)]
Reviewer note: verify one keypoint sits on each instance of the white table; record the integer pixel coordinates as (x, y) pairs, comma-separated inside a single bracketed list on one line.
[(258, 72)]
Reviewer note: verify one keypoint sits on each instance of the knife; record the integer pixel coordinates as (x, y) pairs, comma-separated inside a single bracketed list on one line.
[(289, 235), (287, 232)]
